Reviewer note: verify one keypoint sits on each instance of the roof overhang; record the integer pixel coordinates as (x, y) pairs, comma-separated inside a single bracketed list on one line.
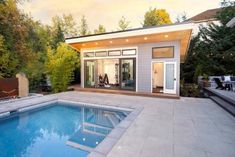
[(175, 32)]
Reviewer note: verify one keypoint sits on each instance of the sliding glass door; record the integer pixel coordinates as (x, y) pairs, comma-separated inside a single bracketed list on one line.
[(127, 71), (110, 73)]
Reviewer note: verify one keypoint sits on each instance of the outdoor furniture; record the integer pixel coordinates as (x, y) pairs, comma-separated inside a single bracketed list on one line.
[(229, 82), (219, 84), (212, 81)]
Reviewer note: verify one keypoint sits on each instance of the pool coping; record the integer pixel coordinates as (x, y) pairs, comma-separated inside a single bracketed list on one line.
[(113, 137), (109, 141)]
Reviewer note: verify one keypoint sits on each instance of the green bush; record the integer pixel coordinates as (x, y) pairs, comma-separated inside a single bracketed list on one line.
[(60, 66), (190, 90)]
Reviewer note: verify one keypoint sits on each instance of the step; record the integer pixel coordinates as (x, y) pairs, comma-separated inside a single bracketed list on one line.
[(224, 104), (219, 93)]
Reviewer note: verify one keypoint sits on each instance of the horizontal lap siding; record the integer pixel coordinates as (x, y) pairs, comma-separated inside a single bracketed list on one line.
[(144, 64), (144, 68)]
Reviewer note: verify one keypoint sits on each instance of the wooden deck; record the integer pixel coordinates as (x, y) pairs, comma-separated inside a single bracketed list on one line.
[(225, 99), (228, 95), (122, 92)]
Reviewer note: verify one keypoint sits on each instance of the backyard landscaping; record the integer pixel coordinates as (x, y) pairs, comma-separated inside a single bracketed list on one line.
[(164, 89)]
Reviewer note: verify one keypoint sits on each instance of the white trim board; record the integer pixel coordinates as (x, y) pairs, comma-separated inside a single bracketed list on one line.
[(147, 31)]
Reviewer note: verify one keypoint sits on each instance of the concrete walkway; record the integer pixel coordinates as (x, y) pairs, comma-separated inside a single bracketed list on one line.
[(189, 127)]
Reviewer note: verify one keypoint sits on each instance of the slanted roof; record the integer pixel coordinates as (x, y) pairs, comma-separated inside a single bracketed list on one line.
[(174, 32), (207, 15)]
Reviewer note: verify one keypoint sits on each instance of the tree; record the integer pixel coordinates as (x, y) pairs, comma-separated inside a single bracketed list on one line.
[(67, 23), (7, 64), (58, 36), (212, 52), (83, 27), (227, 11), (14, 29), (123, 24), (60, 66), (155, 17), (100, 30), (181, 17)]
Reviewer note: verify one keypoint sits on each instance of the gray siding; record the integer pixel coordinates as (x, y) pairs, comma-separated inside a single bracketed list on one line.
[(145, 64)]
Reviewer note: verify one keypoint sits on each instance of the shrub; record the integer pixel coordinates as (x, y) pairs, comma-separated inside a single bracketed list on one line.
[(190, 90), (60, 66)]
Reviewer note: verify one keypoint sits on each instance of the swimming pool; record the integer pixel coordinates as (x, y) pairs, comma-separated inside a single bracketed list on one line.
[(58, 130)]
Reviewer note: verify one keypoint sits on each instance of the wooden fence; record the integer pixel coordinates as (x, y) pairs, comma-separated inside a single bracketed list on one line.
[(8, 87)]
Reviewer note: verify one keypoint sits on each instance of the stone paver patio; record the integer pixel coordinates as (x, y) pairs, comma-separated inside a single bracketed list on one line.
[(189, 127)]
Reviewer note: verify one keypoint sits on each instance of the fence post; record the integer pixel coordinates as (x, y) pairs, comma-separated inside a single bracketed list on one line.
[(23, 84)]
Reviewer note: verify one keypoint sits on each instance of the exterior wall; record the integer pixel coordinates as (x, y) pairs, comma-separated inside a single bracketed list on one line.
[(103, 48), (145, 60), (144, 64)]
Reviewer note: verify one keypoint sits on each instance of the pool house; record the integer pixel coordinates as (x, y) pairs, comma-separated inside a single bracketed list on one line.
[(143, 60)]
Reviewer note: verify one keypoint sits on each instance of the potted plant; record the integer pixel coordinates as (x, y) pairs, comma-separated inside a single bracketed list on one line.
[(206, 80)]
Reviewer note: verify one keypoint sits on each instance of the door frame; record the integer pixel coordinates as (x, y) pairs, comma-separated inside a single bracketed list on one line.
[(119, 61), (164, 79), (120, 73), (153, 62), (169, 91)]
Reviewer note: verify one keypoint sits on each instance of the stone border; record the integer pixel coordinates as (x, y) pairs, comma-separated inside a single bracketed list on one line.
[(109, 141), (18, 99), (112, 138), (19, 105), (79, 103)]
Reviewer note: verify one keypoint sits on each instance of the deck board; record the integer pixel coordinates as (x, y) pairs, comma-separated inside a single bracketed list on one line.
[(226, 95), (122, 92)]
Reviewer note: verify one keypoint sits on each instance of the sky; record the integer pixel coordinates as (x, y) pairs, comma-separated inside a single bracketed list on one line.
[(109, 12)]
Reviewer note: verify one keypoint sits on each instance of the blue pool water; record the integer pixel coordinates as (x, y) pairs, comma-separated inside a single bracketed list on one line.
[(46, 132)]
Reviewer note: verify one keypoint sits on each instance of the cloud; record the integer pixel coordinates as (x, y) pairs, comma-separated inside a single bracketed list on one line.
[(108, 12)]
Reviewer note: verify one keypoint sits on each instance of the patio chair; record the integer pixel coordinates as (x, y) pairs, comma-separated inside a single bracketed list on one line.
[(219, 84)]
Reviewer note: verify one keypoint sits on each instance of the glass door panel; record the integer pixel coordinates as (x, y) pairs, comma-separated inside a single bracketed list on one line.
[(170, 77), (90, 73), (127, 78)]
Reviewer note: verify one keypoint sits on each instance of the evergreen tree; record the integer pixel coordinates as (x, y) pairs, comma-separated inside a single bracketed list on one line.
[(100, 30), (67, 23), (181, 17), (58, 37), (213, 49), (83, 28), (123, 24)]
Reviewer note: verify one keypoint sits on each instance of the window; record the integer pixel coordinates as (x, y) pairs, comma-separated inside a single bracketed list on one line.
[(115, 53), (89, 54), (163, 52), (128, 52), (101, 54)]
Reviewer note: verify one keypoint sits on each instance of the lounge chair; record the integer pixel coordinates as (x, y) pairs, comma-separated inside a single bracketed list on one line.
[(219, 84)]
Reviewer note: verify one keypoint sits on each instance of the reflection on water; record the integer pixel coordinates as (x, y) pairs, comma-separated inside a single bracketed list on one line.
[(44, 133)]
